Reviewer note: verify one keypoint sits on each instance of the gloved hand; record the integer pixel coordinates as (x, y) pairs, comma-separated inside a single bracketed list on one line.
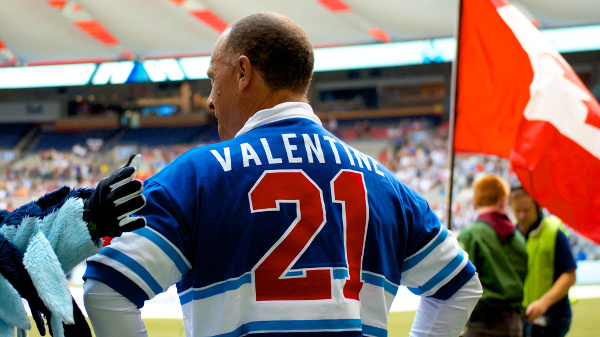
[(108, 209)]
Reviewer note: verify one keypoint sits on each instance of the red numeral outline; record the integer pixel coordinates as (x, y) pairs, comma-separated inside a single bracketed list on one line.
[(294, 186), (348, 188)]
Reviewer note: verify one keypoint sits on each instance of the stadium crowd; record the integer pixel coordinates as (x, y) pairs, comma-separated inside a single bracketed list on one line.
[(414, 149)]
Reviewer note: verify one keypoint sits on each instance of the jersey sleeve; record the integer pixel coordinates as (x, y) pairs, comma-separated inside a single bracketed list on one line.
[(143, 263), (437, 267)]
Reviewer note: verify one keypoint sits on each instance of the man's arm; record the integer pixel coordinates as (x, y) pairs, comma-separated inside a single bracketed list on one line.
[(441, 273), (446, 318), (559, 289), (110, 313), (137, 265)]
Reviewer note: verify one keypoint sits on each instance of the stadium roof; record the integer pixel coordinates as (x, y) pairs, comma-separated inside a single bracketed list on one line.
[(34, 32)]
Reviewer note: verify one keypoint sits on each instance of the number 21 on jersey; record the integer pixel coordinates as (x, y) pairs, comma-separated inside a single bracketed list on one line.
[(294, 186)]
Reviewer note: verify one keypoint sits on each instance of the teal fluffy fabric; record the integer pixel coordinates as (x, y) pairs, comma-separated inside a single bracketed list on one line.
[(6, 330), (9, 232), (13, 312), (28, 228), (49, 279), (69, 236), (57, 328), (53, 244)]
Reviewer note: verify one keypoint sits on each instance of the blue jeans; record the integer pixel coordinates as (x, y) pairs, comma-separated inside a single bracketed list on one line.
[(557, 327)]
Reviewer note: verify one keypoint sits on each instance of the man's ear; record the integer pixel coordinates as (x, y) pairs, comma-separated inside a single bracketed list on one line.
[(243, 70)]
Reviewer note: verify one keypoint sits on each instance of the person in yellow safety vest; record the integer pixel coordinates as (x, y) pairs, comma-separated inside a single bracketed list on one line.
[(550, 268)]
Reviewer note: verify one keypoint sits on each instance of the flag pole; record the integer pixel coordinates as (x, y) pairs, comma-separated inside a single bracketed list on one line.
[(452, 120)]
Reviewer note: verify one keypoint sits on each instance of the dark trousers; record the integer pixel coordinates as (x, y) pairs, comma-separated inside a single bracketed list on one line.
[(506, 323), (557, 327)]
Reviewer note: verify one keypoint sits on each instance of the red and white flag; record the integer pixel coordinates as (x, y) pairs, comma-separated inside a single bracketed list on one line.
[(519, 99)]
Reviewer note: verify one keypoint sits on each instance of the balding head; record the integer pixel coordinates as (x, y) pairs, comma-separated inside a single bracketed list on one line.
[(276, 46)]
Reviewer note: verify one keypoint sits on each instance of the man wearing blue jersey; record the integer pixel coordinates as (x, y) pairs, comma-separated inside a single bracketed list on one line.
[(282, 228)]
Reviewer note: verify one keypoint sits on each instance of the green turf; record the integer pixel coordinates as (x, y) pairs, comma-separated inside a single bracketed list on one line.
[(155, 327), (585, 322), (399, 323)]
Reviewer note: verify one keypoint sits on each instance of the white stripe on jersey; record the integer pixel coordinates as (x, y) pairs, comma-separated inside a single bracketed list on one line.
[(232, 298), (375, 306), (145, 245), (122, 268), (425, 272)]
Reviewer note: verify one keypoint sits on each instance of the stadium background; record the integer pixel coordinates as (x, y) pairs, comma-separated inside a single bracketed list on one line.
[(55, 135)]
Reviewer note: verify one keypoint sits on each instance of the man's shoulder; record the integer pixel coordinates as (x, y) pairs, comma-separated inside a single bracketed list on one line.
[(562, 245), (187, 166), (551, 229), (192, 157), (477, 232), (482, 227)]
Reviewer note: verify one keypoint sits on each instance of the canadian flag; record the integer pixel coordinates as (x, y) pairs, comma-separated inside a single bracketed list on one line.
[(518, 98)]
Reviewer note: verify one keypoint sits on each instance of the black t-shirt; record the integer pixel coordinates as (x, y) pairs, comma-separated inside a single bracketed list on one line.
[(563, 262)]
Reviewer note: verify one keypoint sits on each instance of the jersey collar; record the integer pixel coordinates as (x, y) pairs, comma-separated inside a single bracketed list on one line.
[(280, 111)]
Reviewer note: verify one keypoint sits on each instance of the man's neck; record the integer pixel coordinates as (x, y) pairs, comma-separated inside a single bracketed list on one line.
[(270, 99), (488, 209), (527, 229)]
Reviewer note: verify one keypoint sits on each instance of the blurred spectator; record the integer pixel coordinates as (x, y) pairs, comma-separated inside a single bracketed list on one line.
[(498, 251), (551, 268)]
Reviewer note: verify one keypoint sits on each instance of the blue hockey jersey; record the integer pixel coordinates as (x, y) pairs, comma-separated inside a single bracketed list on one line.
[(283, 229)]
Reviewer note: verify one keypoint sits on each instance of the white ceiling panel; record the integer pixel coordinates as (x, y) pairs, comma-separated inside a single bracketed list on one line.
[(36, 32)]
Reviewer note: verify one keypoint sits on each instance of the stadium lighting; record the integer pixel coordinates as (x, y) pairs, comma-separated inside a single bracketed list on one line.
[(574, 39), (384, 55), (46, 76), (115, 72), (163, 70), (195, 67), (565, 40)]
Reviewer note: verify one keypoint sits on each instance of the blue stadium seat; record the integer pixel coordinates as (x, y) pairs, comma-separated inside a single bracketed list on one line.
[(162, 136), (65, 140), (12, 133)]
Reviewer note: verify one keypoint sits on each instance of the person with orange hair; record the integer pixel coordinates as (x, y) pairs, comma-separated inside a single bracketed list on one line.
[(499, 254)]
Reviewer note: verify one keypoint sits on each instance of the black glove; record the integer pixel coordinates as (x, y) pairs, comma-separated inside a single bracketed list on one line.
[(108, 209)]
